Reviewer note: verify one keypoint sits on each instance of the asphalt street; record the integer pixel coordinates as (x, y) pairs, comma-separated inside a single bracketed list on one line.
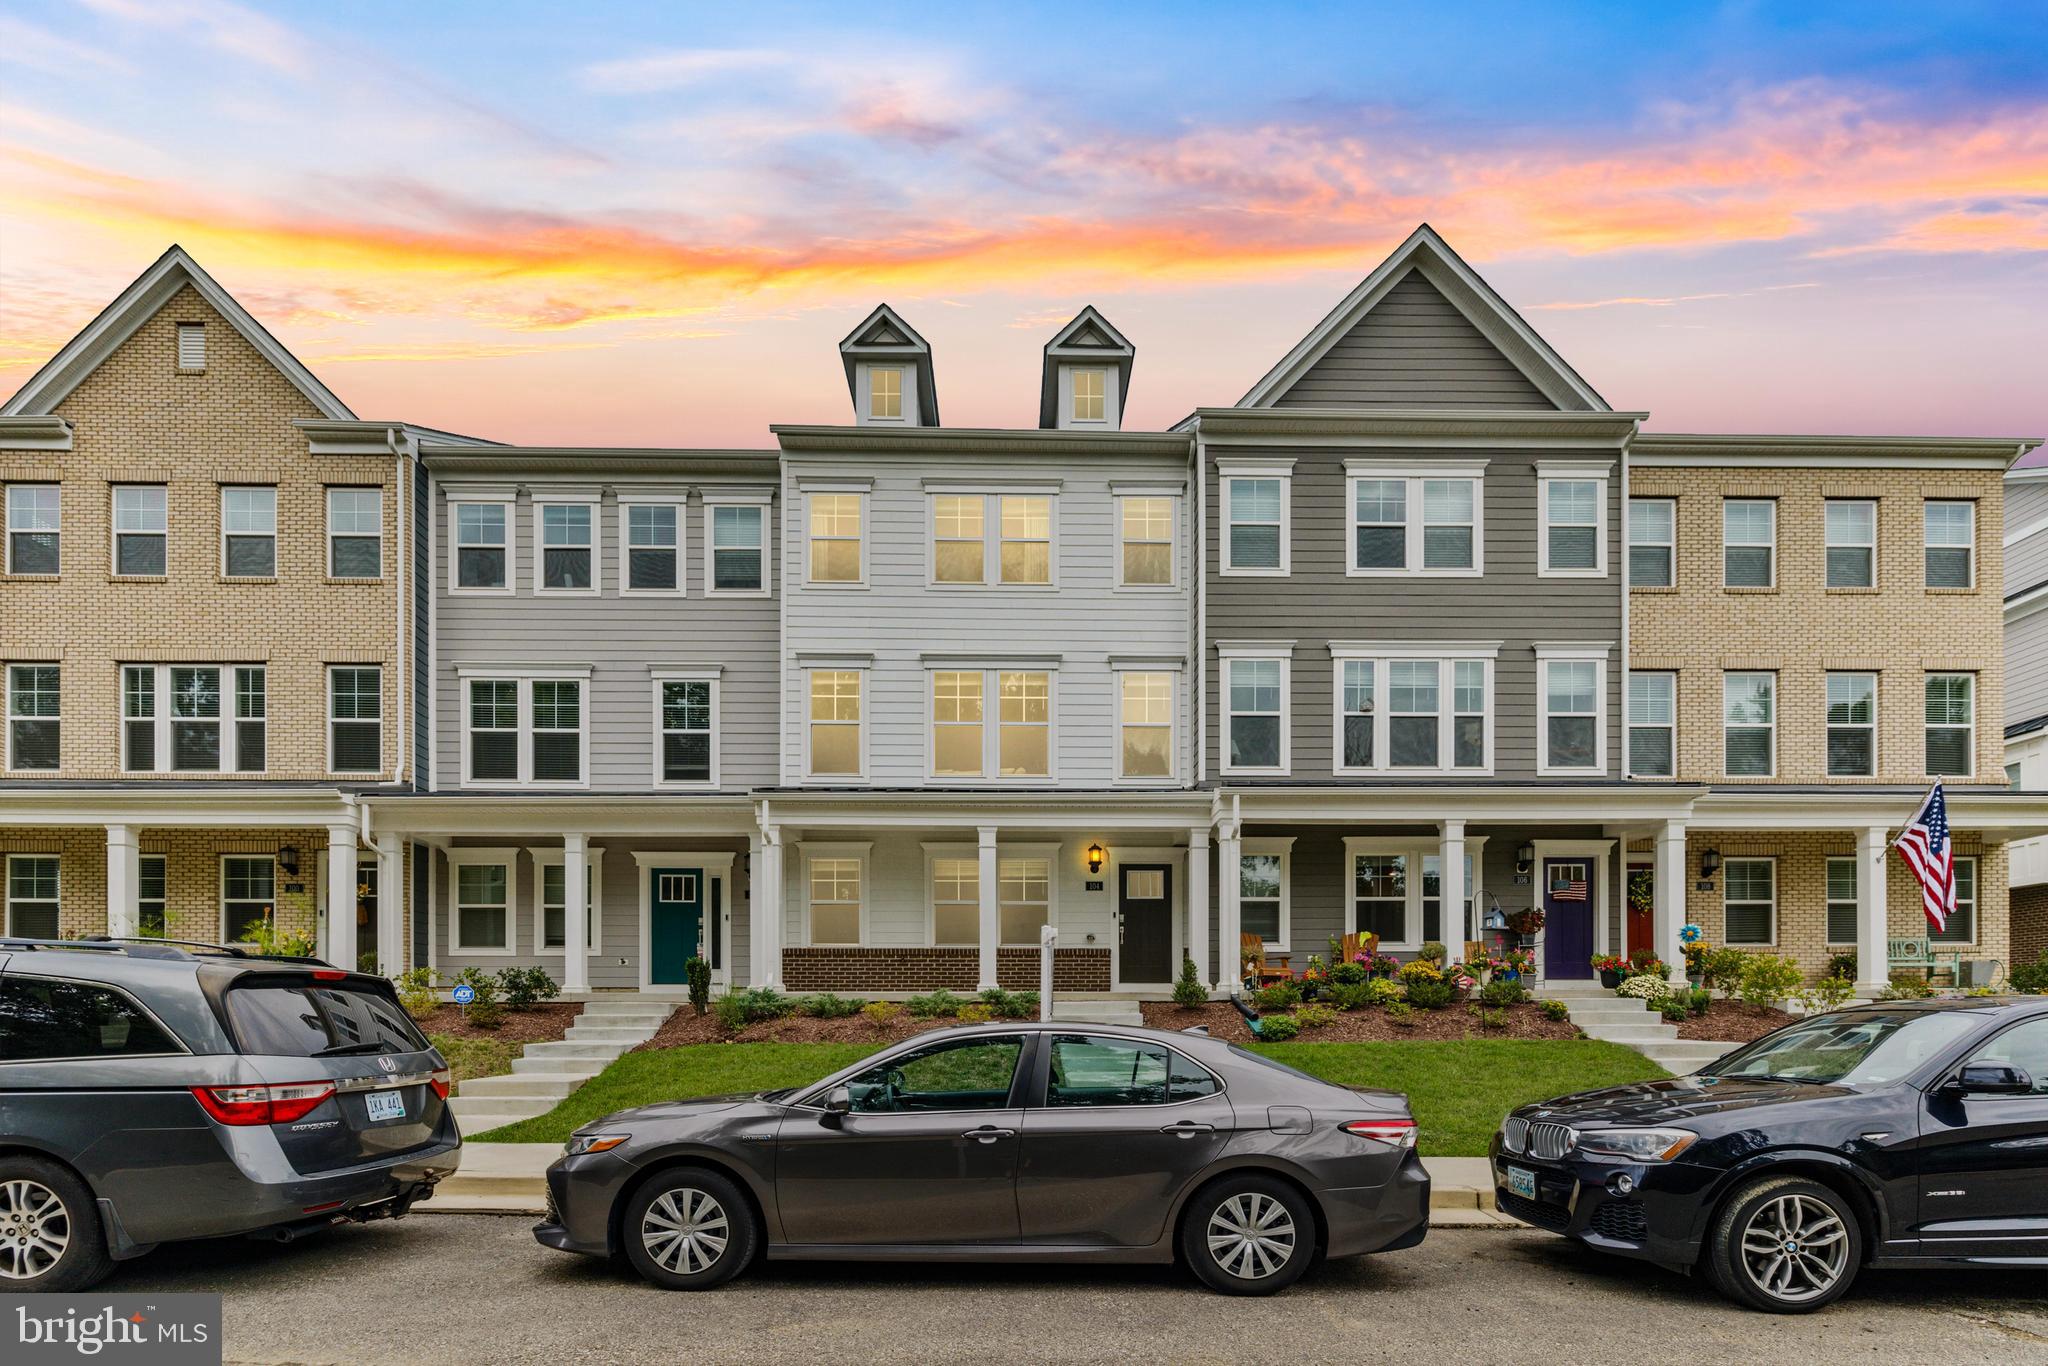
[(476, 1288)]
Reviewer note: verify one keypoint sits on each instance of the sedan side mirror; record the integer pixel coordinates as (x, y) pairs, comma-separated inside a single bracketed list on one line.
[(838, 1104), (1994, 1079)]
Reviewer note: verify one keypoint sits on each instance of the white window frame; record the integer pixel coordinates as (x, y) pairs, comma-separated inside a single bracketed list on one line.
[(553, 498), (7, 740), (1969, 731), (1631, 724), (1049, 854), (1828, 727), (1975, 901), (874, 390), (1172, 497), (115, 531), (327, 682), (763, 501), (163, 861), (991, 725), (1777, 896), (1829, 543), (860, 496), (1668, 546), (220, 889), (1172, 673), (7, 888), (1446, 655), (1229, 472), (15, 527), (708, 674), (1414, 505), (225, 534), (1828, 902), (161, 749), (1100, 375), (1228, 657), (1283, 848), (553, 856), (327, 502), (1596, 472), (959, 853), (1546, 655), (863, 670), (510, 544), (809, 853), (680, 503), (461, 857), (992, 539), (1771, 674), (1415, 850), (523, 681), (1771, 545), (1927, 505)]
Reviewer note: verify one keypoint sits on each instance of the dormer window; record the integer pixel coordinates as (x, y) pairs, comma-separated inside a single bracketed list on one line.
[(1087, 395), (1086, 375), (885, 393)]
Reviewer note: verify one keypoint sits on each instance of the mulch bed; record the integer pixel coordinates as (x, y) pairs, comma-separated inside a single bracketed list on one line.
[(687, 1027), (528, 1024), (1733, 1022), (1370, 1025)]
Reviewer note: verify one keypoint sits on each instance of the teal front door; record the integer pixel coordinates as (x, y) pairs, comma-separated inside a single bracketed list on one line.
[(676, 926)]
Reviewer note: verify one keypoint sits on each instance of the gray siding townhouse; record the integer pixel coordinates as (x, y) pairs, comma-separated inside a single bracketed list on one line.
[(2026, 701)]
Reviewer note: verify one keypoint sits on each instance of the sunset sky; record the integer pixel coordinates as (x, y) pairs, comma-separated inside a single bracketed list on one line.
[(650, 223)]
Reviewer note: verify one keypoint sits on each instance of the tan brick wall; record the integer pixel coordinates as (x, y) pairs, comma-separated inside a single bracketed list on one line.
[(2029, 923), (192, 883), (1802, 630), (139, 420)]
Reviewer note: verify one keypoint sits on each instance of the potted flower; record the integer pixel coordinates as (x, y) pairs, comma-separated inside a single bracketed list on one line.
[(1527, 923), (1611, 967)]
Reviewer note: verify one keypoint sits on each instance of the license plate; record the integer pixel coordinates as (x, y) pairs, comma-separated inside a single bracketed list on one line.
[(386, 1105), (1522, 1183)]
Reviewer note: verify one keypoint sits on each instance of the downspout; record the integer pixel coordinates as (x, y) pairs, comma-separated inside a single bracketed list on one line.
[(402, 656), (1201, 573)]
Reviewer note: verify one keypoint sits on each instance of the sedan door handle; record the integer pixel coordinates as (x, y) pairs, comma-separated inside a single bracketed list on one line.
[(987, 1134), (1188, 1128)]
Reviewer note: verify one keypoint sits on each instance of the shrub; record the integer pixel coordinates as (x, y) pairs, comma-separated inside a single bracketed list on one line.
[(1010, 1005), (484, 1010), (1503, 992), (1352, 995), (1768, 978), (1673, 1007), (1698, 1000), (829, 1007), (2031, 978), (1432, 952), (1491, 1017), (1401, 1013), (1189, 992), (1842, 965), (731, 1012), (697, 973), (527, 986), (1420, 970), (1279, 996), (1906, 987), (1315, 1017), (1349, 974), (1829, 993), (880, 1013), (416, 991), (936, 1006), (1555, 1010), (736, 1010), (1644, 988), (974, 1013), (263, 936), (1385, 993), (1278, 1028), (1426, 995), (1722, 969)]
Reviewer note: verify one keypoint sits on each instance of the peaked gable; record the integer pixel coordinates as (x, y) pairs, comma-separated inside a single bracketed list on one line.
[(1091, 339), (884, 336)]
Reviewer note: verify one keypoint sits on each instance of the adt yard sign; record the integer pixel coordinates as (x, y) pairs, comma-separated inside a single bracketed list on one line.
[(464, 994)]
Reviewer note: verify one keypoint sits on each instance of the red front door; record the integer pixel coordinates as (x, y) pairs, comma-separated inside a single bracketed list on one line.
[(1642, 924)]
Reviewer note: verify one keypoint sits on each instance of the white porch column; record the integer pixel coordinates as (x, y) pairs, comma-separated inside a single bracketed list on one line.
[(1669, 915), (1873, 919), (576, 913), (991, 910), (392, 949), (754, 847), (1229, 873), (1451, 922), (766, 929), (1198, 904), (124, 882), (341, 896)]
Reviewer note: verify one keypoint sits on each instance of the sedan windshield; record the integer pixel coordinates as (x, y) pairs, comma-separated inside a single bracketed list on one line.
[(1866, 1048)]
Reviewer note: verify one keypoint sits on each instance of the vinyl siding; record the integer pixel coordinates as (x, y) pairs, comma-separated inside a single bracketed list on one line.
[(2026, 667), (2026, 560), (422, 504)]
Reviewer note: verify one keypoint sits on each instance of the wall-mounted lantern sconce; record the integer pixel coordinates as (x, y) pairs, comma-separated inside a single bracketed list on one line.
[(1710, 862), (1095, 857), (1525, 858), (288, 860)]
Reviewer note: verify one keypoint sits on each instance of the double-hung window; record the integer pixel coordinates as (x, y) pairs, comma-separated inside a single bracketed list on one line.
[(1255, 722), (963, 743), (961, 552), (195, 719), (248, 531), (552, 868), (1023, 899), (835, 554), (1749, 542), (1357, 707), (1145, 540), (1024, 550), (654, 547), (525, 731), (355, 719), (1652, 724), (956, 900), (1851, 530), (835, 881), (1841, 878), (566, 561), (34, 716), (32, 528), (1652, 542), (1396, 710), (957, 741), (833, 733), (1406, 522), (248, 895), (959, 538), (141, 529), (211, 718), (1951, 541), (1145, 727), (1023, 723), (1962, 922), (1749, 905), (1852, 725), (152, 895), (1379, 896), (1951, 725), (1574, 714), (493, 730), (483, 547), (1263, 891), (685, 710), (484, 886), (1414, 701), (1255, 518), (355, 533), (1573, 496), (33, 895), (736, 546), (1749, 724), (557, 730)]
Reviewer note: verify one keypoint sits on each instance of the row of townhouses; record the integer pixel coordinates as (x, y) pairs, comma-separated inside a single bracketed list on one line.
[(2026, 709), (1417, 634)]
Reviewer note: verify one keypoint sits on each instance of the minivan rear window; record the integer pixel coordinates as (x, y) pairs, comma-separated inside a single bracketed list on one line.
[(289, 1020)]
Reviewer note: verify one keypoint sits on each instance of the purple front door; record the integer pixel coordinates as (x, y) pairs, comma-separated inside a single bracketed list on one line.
[(1568, 894)]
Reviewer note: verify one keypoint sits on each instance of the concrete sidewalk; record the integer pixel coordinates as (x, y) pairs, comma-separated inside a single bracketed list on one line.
[(508, 1178)]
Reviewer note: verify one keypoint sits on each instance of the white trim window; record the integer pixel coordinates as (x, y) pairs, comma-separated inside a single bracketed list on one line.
[(528, 730), (885, 393), (1574, 738), (1146, 706), (248, 531), (551, 898), (1089, 393), (1357, 709), (835, 904), (1951, 724), (355, 718), (34, 895), (35, 717), (1265, 890), (1020, 554), (483, 893), (685, 717), (141, 530), (491, 737), (959, 740), (1852, 725), (1749, 902), (565, 546), (355, 533), (1749, 542), (735, 546), (248, 895), (1255, 715), (1024, 899), (959, 538), (1256, 504), (1652, 542), (193, 718), (955, 900), (483, 547), (1024, 723), (1572, 508), (964, 743), (558, 713), (1024, 539), (1652, 724), (1851, 542), (1842, 901), (1419, 522), (837, 553), (1147, 540), (1379, 896), (152, 895), (1950, 537), (654, 547), (1962, 922), (1412, 709), (834, 735), (34, 521), (1749, 724)]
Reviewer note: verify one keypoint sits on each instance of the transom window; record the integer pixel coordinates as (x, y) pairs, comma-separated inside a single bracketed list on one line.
[(835, 743), (686, 709), (481, 545), (885, 392), (178, 718), (1416, 524), (567, 554), (1146, 539), (739, 559), (32, 528), (1951, 541), (355, 720), (248, 528), (1951, 724), (1841, 875), (1749, 724), (835, 537), (835, 899), (654, 548), (1571, 714), (1652, 542), (1749, 906), (1749, 542), (1088, 395), (1652, 724), (1256, 735), (33, 895), (355, 533), (34, 716), (1571, 526), (1851, 543), (1255, 531), (1146, 705), (1852, 725), (1406, 713), (248, 895), (141, 522)]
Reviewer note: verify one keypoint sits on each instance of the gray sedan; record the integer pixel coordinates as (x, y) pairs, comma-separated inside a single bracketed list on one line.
[(1010, 1142)]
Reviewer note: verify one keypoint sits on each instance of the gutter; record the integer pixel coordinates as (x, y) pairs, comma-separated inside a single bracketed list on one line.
[(400, 552)]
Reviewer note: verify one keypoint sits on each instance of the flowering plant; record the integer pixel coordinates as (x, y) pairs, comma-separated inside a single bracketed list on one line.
[(1609, 962), (1314, 970), (1421, 970), (1644, 988), (1643, 963), (1526, 922), (1379, 964), (1691, 934)]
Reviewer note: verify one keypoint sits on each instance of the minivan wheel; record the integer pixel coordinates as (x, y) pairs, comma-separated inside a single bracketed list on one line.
[(689, 1229), (49, 1229), (1248, 1235), (1786, 1245)]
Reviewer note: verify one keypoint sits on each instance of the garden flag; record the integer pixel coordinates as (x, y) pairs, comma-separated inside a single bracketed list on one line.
[(1926, 847)]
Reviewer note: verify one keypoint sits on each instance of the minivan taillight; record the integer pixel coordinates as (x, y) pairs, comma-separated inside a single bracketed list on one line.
[(439, 1081), (1398, 1133), (245, 1105)]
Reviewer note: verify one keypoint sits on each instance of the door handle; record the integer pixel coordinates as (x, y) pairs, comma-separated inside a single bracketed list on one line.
[(986, 1134), (1188, 1128)]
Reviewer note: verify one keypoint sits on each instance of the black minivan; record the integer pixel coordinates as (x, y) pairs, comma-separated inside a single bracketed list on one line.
[(152, 1091)]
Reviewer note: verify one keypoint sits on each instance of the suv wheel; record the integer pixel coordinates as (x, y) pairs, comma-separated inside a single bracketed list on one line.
[(1786, 1245), (49, 1229), (1248, 1235), (689, 1229)]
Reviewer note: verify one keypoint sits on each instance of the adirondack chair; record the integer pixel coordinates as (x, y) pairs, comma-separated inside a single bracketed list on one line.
[(1352, 945), (1920, 953), (1257, 971)]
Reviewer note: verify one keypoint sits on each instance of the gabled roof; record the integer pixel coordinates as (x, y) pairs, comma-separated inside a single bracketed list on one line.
[(1429, 254), (134, 306), (883, 335), (1089, 337)]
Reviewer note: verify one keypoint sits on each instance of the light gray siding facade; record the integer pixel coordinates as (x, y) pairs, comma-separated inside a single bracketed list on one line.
[(2026, 516)]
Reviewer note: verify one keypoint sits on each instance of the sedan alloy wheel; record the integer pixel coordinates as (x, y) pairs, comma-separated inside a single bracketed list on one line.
[(685, 1231), (35, 1229), (1251, 1235)]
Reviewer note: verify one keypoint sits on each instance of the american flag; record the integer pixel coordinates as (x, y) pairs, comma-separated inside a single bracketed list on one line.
[(1925, 846), (1572, 889)]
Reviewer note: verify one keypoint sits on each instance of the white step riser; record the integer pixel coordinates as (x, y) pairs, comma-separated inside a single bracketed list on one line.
[(495, 1111), (599, 1052), (600, 1034), (555, 1064), (525, 1085), (649, 1016)]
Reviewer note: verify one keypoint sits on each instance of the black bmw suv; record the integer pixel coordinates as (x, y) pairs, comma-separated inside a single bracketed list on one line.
[(1902, 1134)]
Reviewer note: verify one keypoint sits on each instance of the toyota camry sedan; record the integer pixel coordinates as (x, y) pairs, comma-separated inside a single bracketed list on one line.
[(1017, 1142)]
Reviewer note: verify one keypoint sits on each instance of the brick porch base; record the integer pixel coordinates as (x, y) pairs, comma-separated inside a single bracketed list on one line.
[(863, 970)]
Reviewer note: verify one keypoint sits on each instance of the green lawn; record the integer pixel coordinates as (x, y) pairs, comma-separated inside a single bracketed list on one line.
[(1459, 1091)]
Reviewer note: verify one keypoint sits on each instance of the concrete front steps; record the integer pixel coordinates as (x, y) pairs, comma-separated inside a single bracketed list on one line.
[(547, 1072), (1631, 1023)]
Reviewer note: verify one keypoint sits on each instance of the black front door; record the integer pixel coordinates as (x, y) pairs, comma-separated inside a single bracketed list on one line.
[(1984, 1158), (1144, 903)]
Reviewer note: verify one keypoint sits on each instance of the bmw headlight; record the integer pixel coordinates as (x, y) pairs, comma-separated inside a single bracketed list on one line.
[(1635, 1145), (600, 1142)]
